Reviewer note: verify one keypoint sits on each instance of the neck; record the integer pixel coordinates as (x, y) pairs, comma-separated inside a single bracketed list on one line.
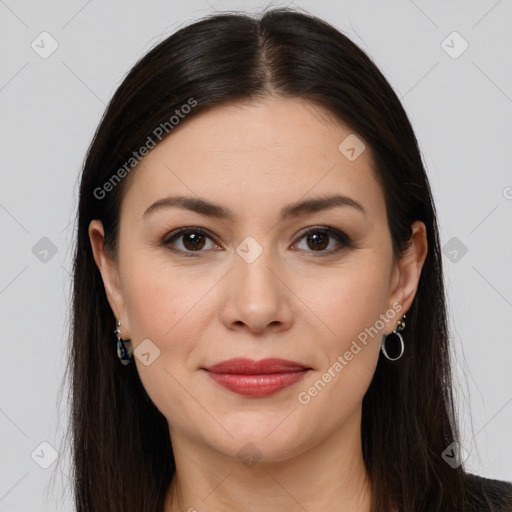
[(329, 475)]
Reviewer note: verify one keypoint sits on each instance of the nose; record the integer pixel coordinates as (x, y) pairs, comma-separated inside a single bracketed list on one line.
[(257, 296)]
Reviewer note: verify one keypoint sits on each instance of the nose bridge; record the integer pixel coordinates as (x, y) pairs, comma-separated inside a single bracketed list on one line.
[(253, 263), (256, 295)]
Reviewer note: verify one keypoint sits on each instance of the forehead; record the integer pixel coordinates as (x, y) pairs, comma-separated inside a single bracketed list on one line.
[(256, 155)]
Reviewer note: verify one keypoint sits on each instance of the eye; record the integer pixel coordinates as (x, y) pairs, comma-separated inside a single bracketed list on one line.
[(193, 240), (318, 239)]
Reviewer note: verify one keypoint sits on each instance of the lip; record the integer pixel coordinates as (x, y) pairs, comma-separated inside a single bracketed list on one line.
[(249, 367), (256, 378)]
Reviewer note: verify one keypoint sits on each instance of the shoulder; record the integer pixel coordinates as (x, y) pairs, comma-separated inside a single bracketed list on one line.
[(487, 495)]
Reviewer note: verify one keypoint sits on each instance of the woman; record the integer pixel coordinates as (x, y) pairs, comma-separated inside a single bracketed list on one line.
[(259, 318)]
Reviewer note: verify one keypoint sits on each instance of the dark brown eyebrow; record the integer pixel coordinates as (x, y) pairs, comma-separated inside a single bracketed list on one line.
[(209, 209)]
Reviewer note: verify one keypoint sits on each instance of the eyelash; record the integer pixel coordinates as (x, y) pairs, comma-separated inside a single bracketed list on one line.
[(340, 237)]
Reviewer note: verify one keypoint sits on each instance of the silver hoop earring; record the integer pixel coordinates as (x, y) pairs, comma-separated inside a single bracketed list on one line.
[(124, 347), (394, 336)]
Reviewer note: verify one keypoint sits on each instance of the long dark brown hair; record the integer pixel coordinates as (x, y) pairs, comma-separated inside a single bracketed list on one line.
[(121, 451)]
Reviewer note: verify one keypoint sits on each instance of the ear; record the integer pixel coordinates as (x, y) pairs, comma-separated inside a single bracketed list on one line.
[(109, 273), (407, 271)]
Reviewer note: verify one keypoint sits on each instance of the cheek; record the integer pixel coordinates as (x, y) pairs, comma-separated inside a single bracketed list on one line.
[(158, 312), (350, 299), (351, 305), (172, 309), (160, 297)]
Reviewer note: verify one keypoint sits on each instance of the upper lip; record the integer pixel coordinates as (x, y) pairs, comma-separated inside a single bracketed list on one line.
[(250, 367)]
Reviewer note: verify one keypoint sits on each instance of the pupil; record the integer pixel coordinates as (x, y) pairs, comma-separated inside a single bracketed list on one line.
[(318, 241), (195, 241)]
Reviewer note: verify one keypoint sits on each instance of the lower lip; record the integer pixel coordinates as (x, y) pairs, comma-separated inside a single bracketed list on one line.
[(257, 385)]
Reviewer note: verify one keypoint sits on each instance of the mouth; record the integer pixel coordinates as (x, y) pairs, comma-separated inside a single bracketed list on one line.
[(256, 378)]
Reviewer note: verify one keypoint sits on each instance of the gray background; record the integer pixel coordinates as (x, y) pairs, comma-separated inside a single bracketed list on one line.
[(460, 109)]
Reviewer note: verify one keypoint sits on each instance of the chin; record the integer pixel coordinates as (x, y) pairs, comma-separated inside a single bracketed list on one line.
[(265, 439)]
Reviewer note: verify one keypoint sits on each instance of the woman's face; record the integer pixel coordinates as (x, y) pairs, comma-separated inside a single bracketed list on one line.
[(250, 284)]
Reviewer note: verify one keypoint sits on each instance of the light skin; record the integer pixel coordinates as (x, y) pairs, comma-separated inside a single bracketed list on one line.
[(294, 301)]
